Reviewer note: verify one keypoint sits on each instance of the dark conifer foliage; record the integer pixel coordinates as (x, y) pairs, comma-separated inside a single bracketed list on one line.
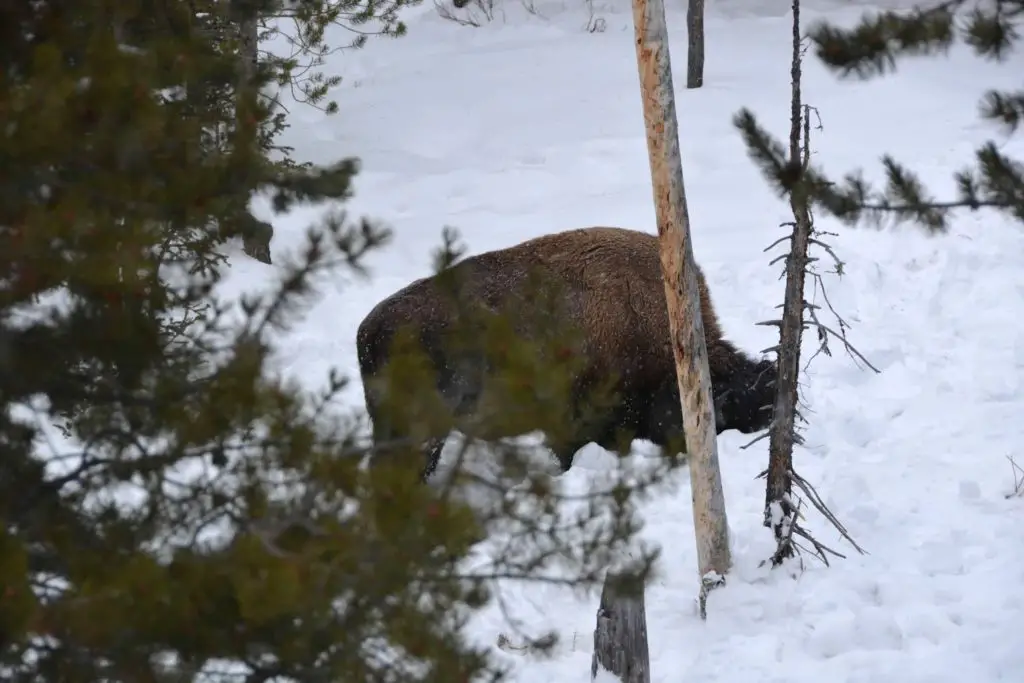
[(171, 509)]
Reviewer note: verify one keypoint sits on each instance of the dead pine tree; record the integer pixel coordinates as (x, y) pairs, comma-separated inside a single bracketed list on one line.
[(695, 43), (782, 508), (780, 513), (680, 275)]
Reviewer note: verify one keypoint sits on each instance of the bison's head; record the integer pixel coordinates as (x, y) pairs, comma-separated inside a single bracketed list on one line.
[(744, 398)]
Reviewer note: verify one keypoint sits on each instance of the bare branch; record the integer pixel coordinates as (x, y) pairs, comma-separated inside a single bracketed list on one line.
[(819, 505), (825, 330), (821, 551), (758, 438), (1018, 478), (778, 242), (829, 250)]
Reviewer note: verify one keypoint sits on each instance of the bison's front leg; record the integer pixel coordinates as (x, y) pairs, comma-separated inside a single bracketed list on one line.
[(387, 442)]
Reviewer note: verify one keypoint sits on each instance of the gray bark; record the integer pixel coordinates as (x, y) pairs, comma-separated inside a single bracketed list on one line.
[(620, 638), (679, 272), (256, 234), (695, 43), (248, 30)]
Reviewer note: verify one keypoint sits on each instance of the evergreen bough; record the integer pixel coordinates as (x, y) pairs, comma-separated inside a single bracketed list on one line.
[(874, 48), (172, 508)]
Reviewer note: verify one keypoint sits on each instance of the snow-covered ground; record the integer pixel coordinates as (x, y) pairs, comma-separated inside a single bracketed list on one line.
[(529, 125)]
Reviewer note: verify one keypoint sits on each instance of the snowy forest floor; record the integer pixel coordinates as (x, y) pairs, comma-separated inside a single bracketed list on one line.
[(532, 125)]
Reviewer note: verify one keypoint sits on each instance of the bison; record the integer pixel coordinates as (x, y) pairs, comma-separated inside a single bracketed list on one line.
[(610, 287)]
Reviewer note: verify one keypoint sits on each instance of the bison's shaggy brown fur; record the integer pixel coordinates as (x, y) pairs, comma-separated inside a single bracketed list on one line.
[(610, 285)]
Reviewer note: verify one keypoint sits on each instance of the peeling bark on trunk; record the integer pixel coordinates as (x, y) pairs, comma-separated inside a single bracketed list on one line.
[(620, 638), (695, 43), (679, 272), (779, 512)]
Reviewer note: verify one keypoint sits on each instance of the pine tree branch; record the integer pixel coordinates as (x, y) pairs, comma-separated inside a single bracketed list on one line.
[(997, 182), (1004, 108), (872, 47)]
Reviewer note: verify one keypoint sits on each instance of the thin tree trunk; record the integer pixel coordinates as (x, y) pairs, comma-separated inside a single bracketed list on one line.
[(695, 43), (255, 234), (620, 638), (247, 23), (779, 514), (679, 272)]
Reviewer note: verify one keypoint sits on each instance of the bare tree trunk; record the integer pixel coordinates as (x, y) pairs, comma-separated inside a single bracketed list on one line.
[(620, 638), (695, 45), (680, 275), (247, 25), (255, 233), (779, 512)]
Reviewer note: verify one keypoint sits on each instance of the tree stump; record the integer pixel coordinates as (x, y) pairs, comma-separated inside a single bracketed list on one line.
[(620, 638)]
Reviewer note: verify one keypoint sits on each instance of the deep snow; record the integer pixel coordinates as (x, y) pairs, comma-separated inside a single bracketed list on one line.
[(528, 126)]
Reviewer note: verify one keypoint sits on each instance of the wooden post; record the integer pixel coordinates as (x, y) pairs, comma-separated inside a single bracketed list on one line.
[(620, 639), (680, 276), (695, 43)]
